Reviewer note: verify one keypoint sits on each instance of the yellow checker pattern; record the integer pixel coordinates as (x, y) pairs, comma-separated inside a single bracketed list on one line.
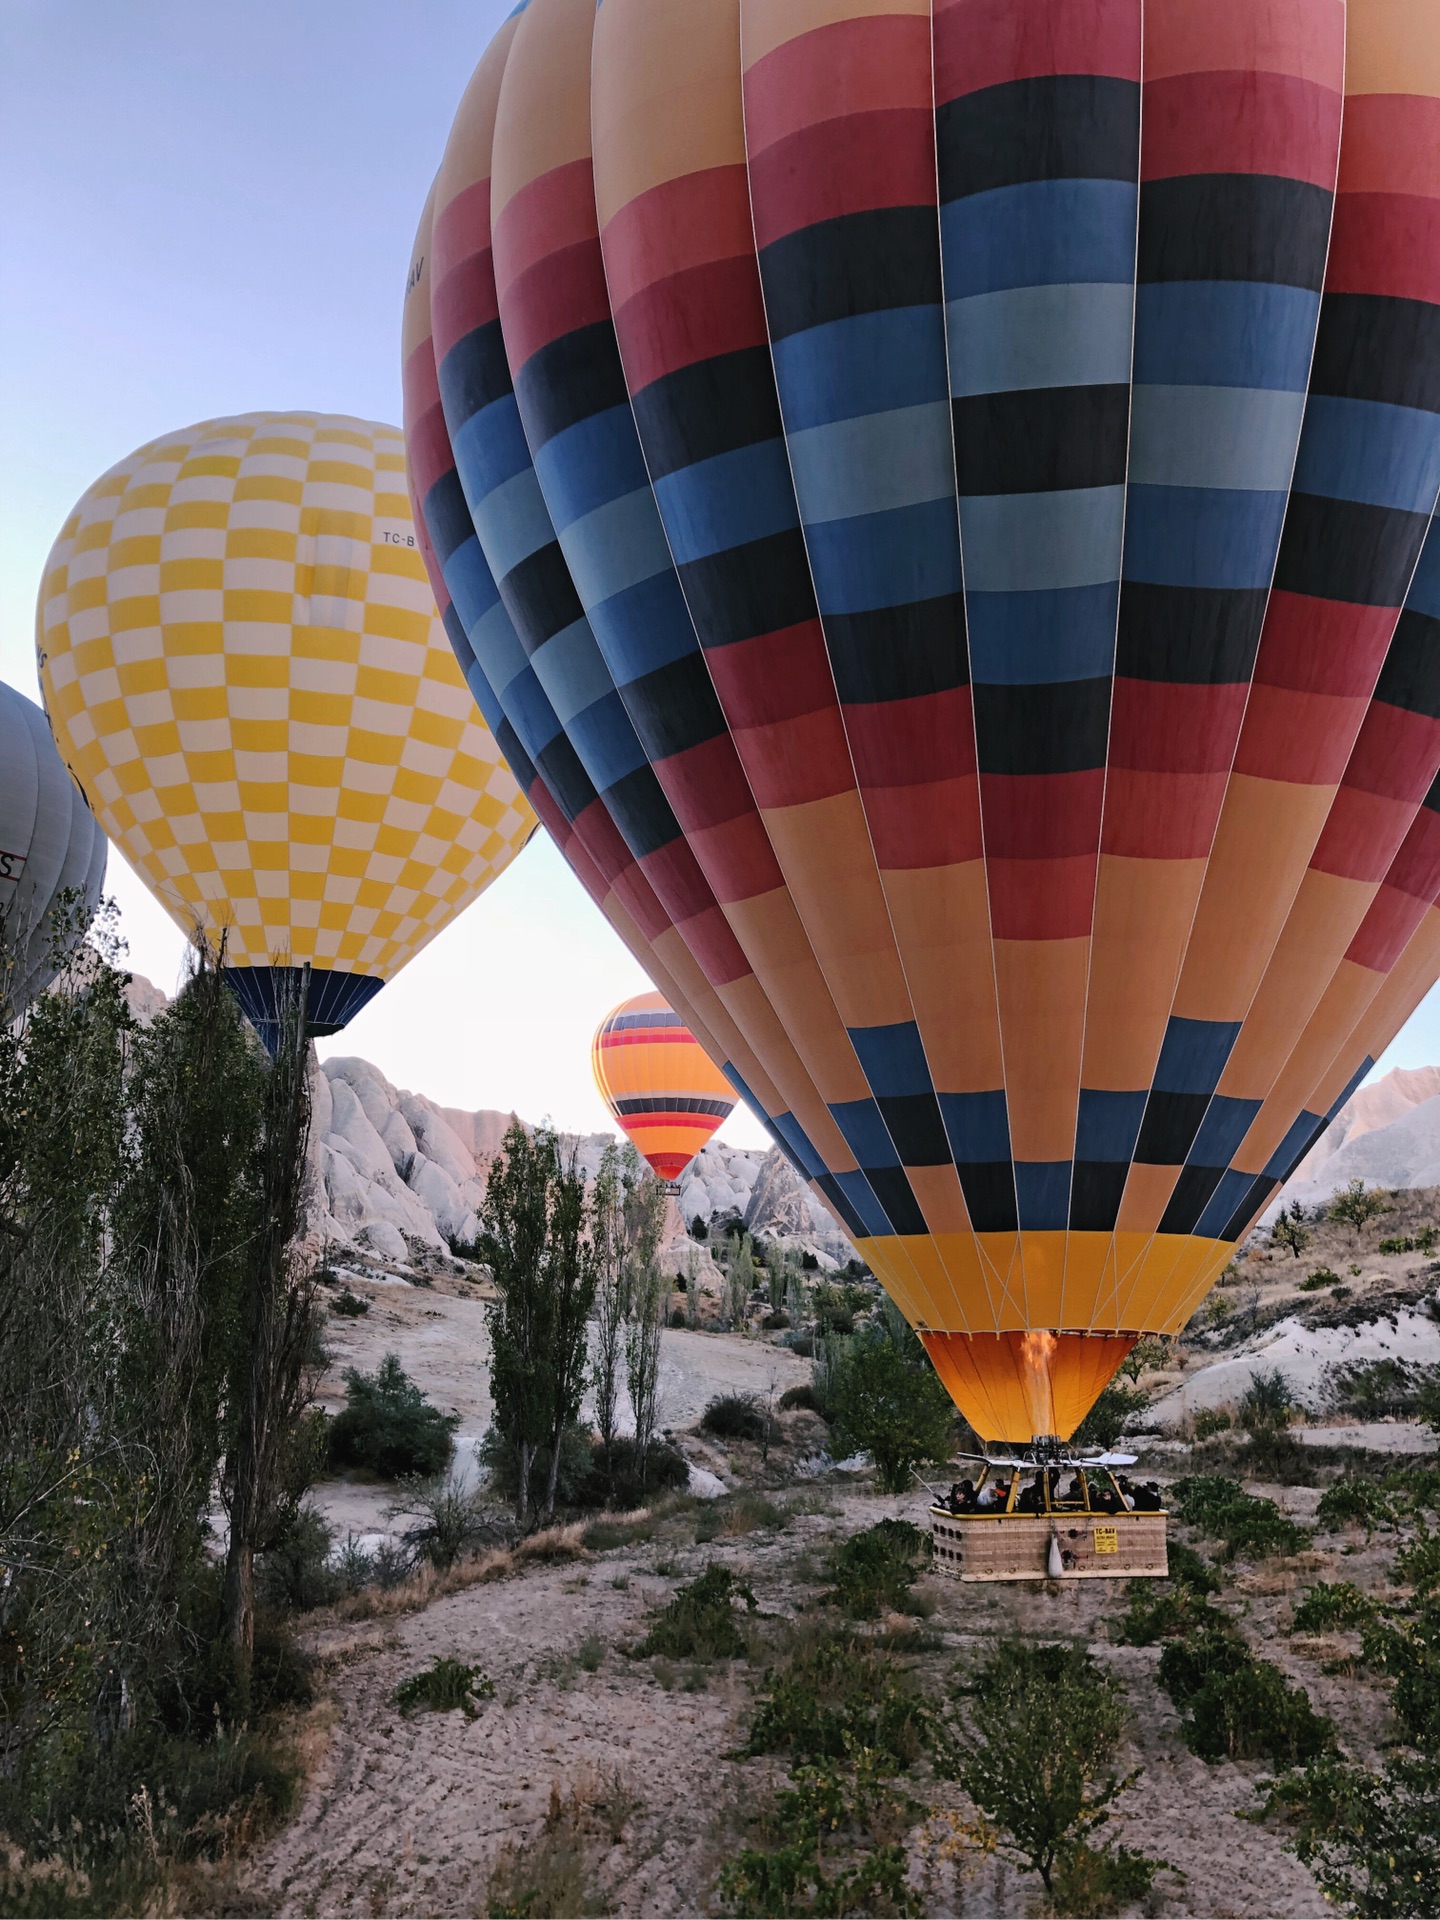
[(245, 670)]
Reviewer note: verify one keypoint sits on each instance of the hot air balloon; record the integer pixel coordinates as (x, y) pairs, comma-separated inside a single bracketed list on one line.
[(659, 1083), (241, 659), (50, 849), (940, 495)]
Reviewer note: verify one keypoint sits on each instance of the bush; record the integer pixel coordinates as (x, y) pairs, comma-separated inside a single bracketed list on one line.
[(699, 1623), (738, 1513), (1318, 1278), (1328, 1605), (834, 1310), (1042, 1730), (501, 1459), (444, 1685), (1242, 1522), (873, 1571), (295, 1574), (796, 1399), (348, 1305), (888, 1402), (775, 1322), (831, 1849), (1212, 1420), (616, 1482), (737, 1416), (836, 1694), (1372, 1840), (451, 1518), (1101, 1880), (389, 1427), (1408, 1650), (1239, 1708), (1378, 1389), (1352, 1502), (1105, 1422), (677, 1317), (1357, 1206), (1267, 1403), (1166, 1610)]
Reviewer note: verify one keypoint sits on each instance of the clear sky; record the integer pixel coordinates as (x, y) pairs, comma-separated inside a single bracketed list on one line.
[(208, 208)]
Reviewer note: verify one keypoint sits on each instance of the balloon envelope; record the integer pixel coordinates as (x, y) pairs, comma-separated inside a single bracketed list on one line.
[(50, 846), (938, 495), (657, 1080), (242, 660)]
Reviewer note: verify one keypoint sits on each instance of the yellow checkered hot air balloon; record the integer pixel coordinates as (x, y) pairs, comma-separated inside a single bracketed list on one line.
[(245, 670)]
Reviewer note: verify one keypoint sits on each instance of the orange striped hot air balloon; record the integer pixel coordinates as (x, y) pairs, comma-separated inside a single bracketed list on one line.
[(659, 1082)]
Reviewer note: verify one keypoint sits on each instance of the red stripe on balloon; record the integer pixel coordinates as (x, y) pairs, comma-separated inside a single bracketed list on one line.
[(1268, 123), (984, 43)]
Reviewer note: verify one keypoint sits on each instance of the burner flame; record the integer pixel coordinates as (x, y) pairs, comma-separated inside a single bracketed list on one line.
[(1037, 1349)]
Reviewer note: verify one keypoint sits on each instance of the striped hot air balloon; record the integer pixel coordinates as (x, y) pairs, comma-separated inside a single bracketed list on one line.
[(241, 659), (665, 1092), (938, 494)]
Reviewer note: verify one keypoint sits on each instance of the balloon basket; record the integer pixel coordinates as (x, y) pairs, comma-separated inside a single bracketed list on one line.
[(1020, 1523)]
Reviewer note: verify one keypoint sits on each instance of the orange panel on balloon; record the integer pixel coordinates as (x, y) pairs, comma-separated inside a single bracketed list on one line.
[(1012, 1386), (659, 1082)]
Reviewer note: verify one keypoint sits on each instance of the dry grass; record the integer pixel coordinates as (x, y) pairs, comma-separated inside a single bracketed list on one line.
[(428, 1584)]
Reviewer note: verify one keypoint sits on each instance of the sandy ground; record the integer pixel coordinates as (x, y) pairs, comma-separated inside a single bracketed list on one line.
[(441, 1338), (406, 1814)]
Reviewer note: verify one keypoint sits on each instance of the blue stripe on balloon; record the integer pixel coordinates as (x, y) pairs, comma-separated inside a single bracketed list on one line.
[(1044, 233), (893, 1058), (1224, 333), (646, 627), (868, 363), (1223, 1202), (590, 464), (885, 559), (727, 501), (1051, 336), (1202, 537), (1020, 542), (605, 741), (978, 1125), (490, 448), (1367, 450), (615, 546), (1226, 1123), (865, 1132), (1042, 1194), (571, 670), (1193, 1054), (1029, 639), (1237, 438), (1109, 1124), (516, 522), (874, 462)]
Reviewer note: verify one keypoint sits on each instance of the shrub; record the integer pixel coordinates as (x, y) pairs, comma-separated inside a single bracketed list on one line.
[(296, 1574), (699, 1622), (873, 1571), (1165, 1610), (549, 1873), (348, 1305), (1328, 1605), (795, 1399), (1239, 1708), (1035, 1752), (1375, 1389), (1290, 1230), (451, 1518), (1267, 1403), (444, 1685), (1105, 1422), (1408, 1650), (888, 1402), (1101, 1880), (1419, 1563), (501, 1459), (1372, 1840), (677, 1317), (1352, 1502), (1318, 1278), (736, 1416), (775, 1322), (1242, 1522), (834, 1695), (616, 1482), (388, 1426), (1212, 1420), (831, 1850)]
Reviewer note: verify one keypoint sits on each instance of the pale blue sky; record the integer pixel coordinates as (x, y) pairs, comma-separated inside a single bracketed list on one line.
[(208, 208)]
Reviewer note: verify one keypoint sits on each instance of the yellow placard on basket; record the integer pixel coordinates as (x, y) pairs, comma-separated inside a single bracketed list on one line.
[(1107, 1539)]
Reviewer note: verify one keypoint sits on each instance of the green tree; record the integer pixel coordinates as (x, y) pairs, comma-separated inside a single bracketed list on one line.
[(1357, 1205), (649, 1294), (1036, 1753), (887, 1400), (533, 1237), (1290, 1230)]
